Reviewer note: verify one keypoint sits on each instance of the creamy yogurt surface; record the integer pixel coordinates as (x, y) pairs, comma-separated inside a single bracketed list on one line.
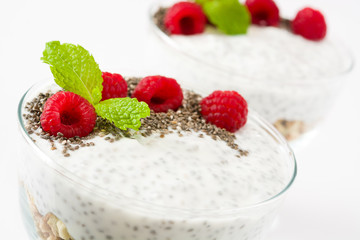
[(185, 172), (191, 171), (267, 53)]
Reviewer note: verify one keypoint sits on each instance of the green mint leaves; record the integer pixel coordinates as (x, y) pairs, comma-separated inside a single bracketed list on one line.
[(124, 112), (75, 70), (229, 16)]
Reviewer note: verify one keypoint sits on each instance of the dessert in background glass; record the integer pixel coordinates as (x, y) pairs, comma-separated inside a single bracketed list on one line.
[(290, 81)]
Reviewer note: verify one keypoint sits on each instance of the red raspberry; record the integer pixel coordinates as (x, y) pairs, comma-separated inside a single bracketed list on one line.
[(160, 93), (225, 109), (69, 114), (263, 12), (310, 24), (185, 18), (114, 86)]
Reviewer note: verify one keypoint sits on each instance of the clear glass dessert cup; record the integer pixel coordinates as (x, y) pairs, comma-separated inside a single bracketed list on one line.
[(51, 197), (294, 106)]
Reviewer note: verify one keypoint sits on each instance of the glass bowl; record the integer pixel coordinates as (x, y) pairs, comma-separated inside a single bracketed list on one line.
[(60, 204), (288, 91)]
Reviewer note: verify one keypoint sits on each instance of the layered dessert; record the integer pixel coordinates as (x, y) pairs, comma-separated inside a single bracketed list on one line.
[(287, 72), (191, 167)]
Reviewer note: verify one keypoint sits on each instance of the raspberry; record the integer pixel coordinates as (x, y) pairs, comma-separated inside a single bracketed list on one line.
[(69, 114), (114, 86), (310, 24), (263, 12), (225, 109), (185, 18), (160, 93)]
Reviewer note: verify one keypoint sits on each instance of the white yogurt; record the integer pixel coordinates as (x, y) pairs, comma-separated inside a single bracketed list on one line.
[(161, 188), (267, 54), (282, 75)]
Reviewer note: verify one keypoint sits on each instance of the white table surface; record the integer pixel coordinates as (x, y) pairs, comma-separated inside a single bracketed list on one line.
[(324, 202)]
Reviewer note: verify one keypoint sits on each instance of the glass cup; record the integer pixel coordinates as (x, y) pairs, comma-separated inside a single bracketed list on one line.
[(293, 105), (51, 196)]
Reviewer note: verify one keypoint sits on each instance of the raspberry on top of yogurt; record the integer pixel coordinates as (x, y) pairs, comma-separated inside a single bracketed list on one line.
[(185, 18), (225, 109), (232, 18), (159, 92), (310, 24), (69, 114), (114, 86), (263, 12)]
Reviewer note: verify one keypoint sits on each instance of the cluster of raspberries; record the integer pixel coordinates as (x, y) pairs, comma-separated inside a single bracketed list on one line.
[(188, 18), (72, 115)]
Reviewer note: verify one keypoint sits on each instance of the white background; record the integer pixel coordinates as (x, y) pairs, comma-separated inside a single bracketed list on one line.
[(324, 202)]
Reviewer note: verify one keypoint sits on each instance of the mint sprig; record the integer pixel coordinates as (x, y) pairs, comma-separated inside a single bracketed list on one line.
[(229, 16), (124, 112), (75, 70)]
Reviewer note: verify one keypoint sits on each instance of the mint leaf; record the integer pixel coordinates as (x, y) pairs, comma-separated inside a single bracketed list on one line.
[(123, 112), (229, 16), (74, 69), (201, 2)]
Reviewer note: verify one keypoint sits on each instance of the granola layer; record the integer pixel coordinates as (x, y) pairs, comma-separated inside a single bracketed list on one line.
[(291, 130), (49, 227)]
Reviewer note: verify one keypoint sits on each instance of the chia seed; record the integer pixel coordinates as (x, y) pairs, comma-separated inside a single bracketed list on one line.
[(187, 118), (159, 19)]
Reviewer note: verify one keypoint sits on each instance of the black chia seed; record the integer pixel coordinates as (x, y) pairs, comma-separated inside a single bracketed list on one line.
[(186, 119), (159, 19)]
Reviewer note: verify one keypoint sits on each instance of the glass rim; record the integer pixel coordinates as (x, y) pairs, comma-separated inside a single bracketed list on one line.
[(320, 80), (117, 198)]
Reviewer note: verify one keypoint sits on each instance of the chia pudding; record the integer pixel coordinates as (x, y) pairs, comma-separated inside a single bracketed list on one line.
[(185, 181), (289, 80)]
